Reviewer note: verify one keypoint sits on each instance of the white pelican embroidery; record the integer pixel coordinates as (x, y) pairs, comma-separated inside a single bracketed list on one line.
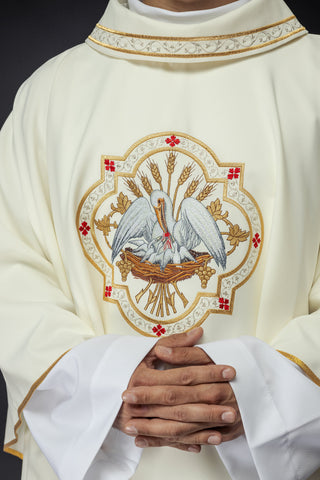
[(160, 239)]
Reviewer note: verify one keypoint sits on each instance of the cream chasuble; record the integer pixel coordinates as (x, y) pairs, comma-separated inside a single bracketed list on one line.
[(160, 177)]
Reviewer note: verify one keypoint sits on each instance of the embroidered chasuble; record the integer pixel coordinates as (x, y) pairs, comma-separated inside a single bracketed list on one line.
[(159, 177)]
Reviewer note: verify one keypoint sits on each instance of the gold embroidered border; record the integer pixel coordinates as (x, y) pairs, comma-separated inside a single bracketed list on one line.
[(7, 447), (195, 39), (303, 366), (199, 39)]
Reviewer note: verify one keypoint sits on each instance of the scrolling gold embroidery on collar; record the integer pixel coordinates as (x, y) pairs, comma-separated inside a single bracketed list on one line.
[(196, 39), (196, 47)]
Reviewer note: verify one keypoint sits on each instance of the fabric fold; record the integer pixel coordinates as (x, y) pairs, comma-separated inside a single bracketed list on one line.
[(72, 412), (279, 407)]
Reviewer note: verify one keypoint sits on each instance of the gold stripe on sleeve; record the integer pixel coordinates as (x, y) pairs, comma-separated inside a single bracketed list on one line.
[(7, 447), (303, 366)]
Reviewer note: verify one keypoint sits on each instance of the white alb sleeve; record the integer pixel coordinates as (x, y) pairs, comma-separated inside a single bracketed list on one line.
[(71, 413), (280, 410)]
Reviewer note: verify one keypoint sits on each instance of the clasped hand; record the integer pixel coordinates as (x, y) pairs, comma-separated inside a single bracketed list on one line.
[(183, 407)]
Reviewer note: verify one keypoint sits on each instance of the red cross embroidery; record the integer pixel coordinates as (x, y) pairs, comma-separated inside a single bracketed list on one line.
[(256, 240), (84, 228), (108, 291), (109, 165), (172, 141), (234, 173), (224, 304), (159, 330)]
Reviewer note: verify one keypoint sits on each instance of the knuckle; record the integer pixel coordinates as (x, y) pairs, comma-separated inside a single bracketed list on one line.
[(173, 432), (186, 378), (180, 414), (212, 415), (144, 397), (215, 394), (136, 381), (170, 397), (212, 373), (197, 439), (182, 355)]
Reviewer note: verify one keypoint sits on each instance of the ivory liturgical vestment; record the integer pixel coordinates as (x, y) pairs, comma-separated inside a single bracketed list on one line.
[(160, 177)]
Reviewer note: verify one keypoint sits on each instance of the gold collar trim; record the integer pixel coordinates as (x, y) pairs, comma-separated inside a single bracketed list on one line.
[(196, 47)]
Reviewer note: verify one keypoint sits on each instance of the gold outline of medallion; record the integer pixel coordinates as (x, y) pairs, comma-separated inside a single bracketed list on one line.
[(208, 179)]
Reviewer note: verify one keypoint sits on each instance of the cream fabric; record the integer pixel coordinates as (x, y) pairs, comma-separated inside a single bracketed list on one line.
[(93, 101)]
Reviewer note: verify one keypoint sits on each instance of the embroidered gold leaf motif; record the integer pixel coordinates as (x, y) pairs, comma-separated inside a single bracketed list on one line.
[(123, 203), (215, 209), (105, 225), (236, 235)]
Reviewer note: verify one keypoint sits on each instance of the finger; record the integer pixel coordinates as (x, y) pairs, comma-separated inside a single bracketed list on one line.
[(187, 339), (182, 355), (142, 442), (212, 415), (232, 432), (202, 437), (156, 427), (184, 376), (213, 393)]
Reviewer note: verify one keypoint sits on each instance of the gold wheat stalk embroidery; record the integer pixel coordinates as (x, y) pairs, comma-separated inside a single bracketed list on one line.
[(171, 163), (155, 173), (131, 184), (146, 183), (185, 174), (206, 191), (192, 187)]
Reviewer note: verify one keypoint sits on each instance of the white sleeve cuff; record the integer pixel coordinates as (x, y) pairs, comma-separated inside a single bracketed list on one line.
[(71, 413), (280, 410)]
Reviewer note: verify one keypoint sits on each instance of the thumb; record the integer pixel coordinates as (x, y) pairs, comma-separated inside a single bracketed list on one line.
[(188, 339)]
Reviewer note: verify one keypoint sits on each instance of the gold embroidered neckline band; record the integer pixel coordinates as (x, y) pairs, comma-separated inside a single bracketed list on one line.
[(197, 47)]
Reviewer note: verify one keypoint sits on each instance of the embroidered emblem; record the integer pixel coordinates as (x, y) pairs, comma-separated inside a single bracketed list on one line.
[(173, 232)]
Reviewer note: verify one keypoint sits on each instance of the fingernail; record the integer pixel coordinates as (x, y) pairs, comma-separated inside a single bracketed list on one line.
[(164, 350), (214, 440), (131, 430), (194, 449), (228, 373), (142, 443), (228, 417), (129, 398), (194, 331)]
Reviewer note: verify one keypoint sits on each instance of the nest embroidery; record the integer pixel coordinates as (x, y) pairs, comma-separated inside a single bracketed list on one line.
[(199, 243)]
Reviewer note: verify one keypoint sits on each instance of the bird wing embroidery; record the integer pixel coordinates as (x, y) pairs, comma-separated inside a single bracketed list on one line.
[(196, 225), (137, 222)]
